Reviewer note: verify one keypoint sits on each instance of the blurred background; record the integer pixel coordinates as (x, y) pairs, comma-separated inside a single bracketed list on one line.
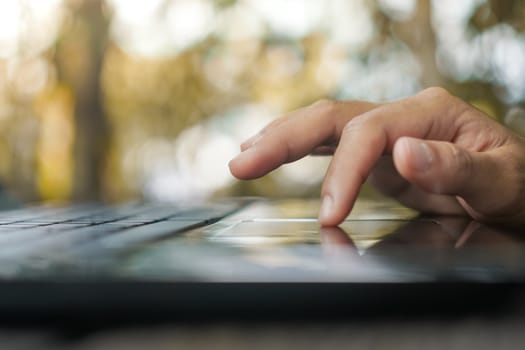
[(124, 99)]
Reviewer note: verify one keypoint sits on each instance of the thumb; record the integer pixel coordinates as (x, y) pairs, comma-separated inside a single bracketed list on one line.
[(444, 168)]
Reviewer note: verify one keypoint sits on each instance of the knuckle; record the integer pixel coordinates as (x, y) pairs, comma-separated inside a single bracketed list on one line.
[(323, 102), (358, 123), (449, 104), (436, 92), (444, 98), (325, 106)]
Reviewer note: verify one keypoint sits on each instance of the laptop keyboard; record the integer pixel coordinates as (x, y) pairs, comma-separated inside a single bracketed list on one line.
[(45, 231)]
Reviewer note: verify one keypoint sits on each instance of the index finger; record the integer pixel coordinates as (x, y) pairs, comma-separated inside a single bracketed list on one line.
[(295, 136)]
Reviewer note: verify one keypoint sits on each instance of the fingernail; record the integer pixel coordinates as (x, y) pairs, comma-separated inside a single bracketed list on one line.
[(243, 155), (252, 140), (421, 153), (327, 206)]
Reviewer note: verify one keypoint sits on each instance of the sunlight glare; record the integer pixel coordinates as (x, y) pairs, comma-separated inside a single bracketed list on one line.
[(189, 21), (290, 18), (30, 27)]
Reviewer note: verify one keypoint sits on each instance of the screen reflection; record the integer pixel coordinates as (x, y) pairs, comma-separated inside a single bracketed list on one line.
[(423, 249)]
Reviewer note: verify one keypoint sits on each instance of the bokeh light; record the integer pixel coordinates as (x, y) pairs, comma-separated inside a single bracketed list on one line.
[(174, 86)]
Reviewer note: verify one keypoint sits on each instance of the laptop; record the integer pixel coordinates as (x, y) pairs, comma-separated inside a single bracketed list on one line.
[(246, 258)]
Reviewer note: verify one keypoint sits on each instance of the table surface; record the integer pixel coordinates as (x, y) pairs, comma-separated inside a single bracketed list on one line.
[(472, 329)]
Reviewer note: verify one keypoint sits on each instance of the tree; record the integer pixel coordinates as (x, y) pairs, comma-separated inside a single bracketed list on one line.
[(80, 54)]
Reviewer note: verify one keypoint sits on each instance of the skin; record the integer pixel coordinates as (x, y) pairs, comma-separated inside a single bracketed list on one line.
[(432, 152)]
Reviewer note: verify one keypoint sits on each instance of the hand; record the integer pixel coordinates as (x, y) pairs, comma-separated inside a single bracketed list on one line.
[(433, 152)]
